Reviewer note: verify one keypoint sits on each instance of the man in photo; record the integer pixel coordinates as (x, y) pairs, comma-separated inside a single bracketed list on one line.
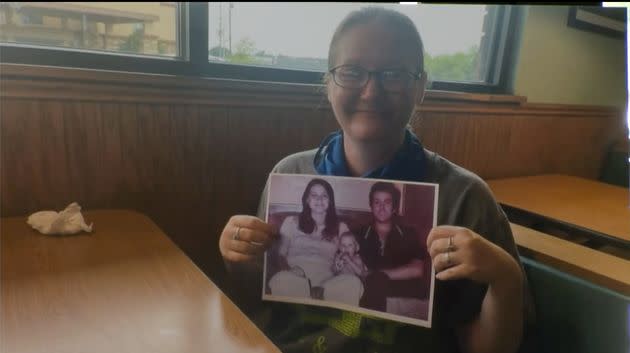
[(392, 252)]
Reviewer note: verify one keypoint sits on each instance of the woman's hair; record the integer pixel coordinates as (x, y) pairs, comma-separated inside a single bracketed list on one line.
[(306, 223), (393, 20)]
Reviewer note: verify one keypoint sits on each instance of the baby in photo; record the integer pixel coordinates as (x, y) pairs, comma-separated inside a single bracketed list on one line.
[(347, 259)]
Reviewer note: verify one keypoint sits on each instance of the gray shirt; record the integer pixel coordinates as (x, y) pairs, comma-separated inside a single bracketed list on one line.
[(464, 200)]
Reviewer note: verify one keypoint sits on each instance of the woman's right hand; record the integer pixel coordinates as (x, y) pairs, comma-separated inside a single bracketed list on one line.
[(298, 271), (254, 237)]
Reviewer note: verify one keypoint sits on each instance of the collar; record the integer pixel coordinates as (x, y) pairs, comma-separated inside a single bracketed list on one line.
[(396, 227), (408, 164)]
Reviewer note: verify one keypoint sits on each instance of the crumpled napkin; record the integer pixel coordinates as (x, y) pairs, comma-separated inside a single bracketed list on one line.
[(68, 221)]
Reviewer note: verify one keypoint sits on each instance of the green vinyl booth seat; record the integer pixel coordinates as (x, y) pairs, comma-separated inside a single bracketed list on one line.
[(616, 169), (574, 315)]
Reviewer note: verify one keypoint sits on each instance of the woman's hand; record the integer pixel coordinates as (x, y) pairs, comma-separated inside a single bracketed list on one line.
[(459, 252), (298, 271), (245, 237), (337, 263)]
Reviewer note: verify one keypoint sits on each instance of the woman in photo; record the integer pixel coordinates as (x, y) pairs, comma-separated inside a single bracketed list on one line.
[(307, 248)]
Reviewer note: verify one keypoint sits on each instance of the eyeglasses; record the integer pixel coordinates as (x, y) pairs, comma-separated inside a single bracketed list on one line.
[(356, 77)]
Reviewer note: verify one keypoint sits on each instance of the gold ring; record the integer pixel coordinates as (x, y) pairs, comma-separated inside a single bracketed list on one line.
[(235, 236)]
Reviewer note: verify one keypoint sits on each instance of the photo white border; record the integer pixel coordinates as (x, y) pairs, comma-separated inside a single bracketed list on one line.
[(356, 309)]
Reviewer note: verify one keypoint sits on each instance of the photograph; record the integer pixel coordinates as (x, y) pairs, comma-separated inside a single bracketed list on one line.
[(354, 244)]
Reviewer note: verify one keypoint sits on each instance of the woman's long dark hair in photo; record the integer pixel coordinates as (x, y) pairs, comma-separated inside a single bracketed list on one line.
[(306, 223)]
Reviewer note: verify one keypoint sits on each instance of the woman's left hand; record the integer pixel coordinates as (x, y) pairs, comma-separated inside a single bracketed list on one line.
[(459, 252)]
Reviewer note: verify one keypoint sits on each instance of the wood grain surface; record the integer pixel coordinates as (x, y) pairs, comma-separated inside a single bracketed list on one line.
[(124, 288), (592, 265), (585, 203), (191, 152)]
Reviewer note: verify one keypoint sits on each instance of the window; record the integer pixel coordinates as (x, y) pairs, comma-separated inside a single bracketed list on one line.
[(467, 47), (459, 40), (138, 28), (32, 19)]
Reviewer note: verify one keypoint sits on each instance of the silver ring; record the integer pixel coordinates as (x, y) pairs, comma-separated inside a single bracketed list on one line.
[(235, 236), (450, 247), (448, 258)]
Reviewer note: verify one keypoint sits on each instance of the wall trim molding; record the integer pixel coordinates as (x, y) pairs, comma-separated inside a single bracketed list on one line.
[(57, 83)]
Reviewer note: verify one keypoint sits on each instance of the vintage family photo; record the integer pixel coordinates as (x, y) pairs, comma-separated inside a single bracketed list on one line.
[(353, 244)]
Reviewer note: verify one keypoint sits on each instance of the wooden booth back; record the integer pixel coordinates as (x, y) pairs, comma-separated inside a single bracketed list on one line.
[(191, 152)]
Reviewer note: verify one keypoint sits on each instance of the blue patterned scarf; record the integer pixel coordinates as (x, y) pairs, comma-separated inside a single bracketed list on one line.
[(408, 163)]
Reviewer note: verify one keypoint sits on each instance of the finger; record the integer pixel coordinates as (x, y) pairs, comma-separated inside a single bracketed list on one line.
[(443, 261), (252, 222), (245, 247), (233, 256), (447, 229), (253, 236), (440, 232), (456, 272), (442, 245)]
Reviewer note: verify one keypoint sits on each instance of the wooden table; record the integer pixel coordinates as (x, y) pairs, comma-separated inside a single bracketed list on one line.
[(124, 288), (595, 266), (587, 205)]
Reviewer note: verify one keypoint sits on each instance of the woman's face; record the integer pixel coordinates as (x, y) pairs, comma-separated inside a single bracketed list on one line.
[(318, 199), (371, 113)]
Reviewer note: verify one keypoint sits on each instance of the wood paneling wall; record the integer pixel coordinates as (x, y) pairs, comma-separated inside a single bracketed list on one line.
[(523, 141), (191, 152)]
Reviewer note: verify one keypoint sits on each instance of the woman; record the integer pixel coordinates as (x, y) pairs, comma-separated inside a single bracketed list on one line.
[(376, 78), (307, 247)]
